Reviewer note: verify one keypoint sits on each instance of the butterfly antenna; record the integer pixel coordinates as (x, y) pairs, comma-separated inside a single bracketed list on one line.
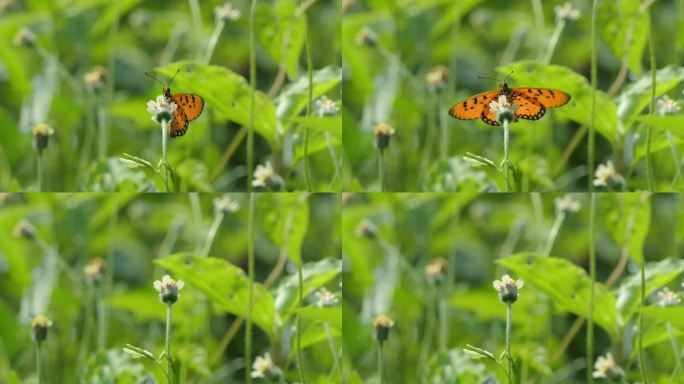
[(174, 76), (157, 80), (507, 76)]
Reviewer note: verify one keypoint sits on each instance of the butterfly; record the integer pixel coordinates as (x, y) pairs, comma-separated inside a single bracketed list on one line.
[(188, 107), (531, 102)]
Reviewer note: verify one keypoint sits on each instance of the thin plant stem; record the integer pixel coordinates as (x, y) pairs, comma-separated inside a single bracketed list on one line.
[(443, 324), (333, 349), (39, 363), (101, 310), (554, 40), (675, 157), (212, 233), (509, 310), (506, 165), (592, 276), (594, 75), (381, 170), (250, 289), (443, 131), (554, 232), (165, 164), (642, 362), (539, 23), (429, 137), (309, 105), (381, 363), (333, 157), (213, 40), (169, 362), (252, 106), (196, 21), (300, 361), (102, 131), (649, 128), (41, 171), (675, 350)]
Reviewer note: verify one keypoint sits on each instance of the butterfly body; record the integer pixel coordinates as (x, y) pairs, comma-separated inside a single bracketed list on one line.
[(531, 103), (188, 107)]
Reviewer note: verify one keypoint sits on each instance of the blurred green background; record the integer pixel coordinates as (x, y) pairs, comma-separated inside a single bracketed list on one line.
[(387, 82), (483, 237), (142, 237), (95, 125)]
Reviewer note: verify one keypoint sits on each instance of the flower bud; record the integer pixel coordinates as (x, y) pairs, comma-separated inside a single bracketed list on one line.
[(382, 325), (383, 132), (40, 325), (41, 136)]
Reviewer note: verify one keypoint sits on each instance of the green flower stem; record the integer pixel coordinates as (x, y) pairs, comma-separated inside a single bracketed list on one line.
[(309, 106), (539, 24), (506, 166), (218, 218), (554, 232), (102, 129), (333, 349), (250, 289), (592, 275), (554, 40), (381, 169), (100, 307), (443, 131), (300, 361), (592, 133), (165, 164), (252, 107), (196, 14), (333, 157), (675, 157), (381, 363), (169, 361), (509, 356), (649, 129), (39, 363), (213, 40), (41, 171), (443, 324), (675, 350), (429, 136), (642, 362)]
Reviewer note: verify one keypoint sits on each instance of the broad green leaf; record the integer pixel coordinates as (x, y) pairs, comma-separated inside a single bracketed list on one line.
[(281, 32), (331, 125), (224, 284), (288, 222), (313, 332), (569, 287), (658, 274), (671, 123), (330, 315), (293, 99), (625, 29), (533, 74), (226, 92), (628, 218), (317, 142), (672, 315), (636, 96), (654, 333), (315, 275)]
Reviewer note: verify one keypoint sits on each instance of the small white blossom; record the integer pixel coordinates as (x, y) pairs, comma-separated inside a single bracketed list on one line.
[(326, 107), (567, 12), (265, 176), (325, 298), (667, 298), (226, 205), (605, 367), (567, 204), (226, 12), (667, 106), (503, 109), (161, 109), (263, 367), (508, 288), (168, 289), (606, 174)]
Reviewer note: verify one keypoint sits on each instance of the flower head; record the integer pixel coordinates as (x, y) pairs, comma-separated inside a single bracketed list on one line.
[(95, 78), (24, 38), (667, 106), (382, 325), (325, 298), (366, 228), (40, 325), (226, 13), (508, 288), (264, 368), (605, 368), (41, 136), (567, 12), (24, 229), (667, 298), (265, 176), (168, 289), (367, 37), (383, 132), (226, 205), (567, 204), (95, 270), (161, 109), (326, 107), (607, 176), (503, 109), (436, 271), (437, 78)]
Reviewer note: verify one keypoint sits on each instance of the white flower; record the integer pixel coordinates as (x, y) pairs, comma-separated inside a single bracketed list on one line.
[(161, 108), (265, 176), (667, 106), (567, 204), (325, 298), (605, 367), (667, 298), (262, 366), (567, 12), (605, 174), (226, 205), (508, 288), (503, 109), (326, 107), (168, 289), (226, 12)]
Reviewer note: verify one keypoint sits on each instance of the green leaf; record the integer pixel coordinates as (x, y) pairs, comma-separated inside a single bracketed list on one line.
[(569, 287), (636, 96), (288, 222), (224, 284), (670, 123), (330, 315), (281, 32), (578, 109), (112, 14), (315, 275), (226, 92), (625, 29), (658, 274), (331, 125), (672, 315), (293, 98), (628, 218)]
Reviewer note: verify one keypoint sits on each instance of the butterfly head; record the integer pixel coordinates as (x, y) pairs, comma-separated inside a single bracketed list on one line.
[(505, 89), (167, 92)]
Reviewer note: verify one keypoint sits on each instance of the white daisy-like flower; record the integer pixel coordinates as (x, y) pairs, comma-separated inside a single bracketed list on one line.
[(605, 174), (325, 298), (262, 366), (265, 177), (168, 289), (226, 205), (667, 106), (567, 204), (161, 109), (326, 107), (226, 12), (503, 109), (667, 298), (508, 288), (567, 12), (605, 367)]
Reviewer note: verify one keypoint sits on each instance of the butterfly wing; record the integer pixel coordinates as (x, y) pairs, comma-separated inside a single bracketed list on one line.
[(528, 108), (179, 124), (473, 107), (549, 98), (191, 104)]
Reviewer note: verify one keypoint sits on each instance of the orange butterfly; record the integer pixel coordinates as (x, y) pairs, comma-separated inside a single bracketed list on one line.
[(531, 102), (189, 107)]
